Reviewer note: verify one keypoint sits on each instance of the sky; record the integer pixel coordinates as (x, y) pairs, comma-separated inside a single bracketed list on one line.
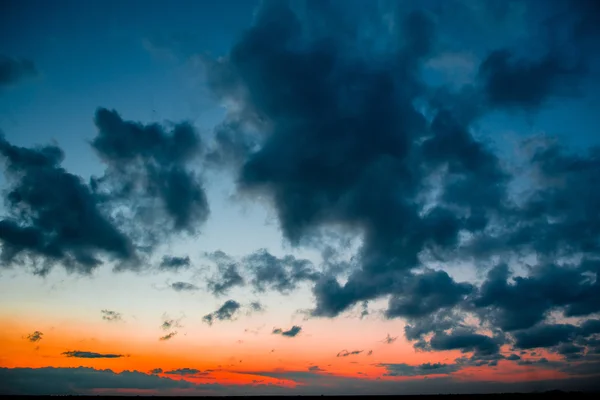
[(299, 197)]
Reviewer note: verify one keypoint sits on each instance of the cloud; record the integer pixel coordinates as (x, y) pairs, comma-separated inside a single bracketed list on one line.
[(15, 70), (346, 353), (81, 381), (320, 166), (111, 316), (89, 354), (281, 274), (389, 340), (182, 371), (257, 306), (168, 336), (292, 332), (156, 371), (69, 381), (466, 341), (34, 337), (225, 312), (228, 275), (315, 368), (148, 170), (53, 215), (173, 263), (420, 370), (170, 323), (184, 287), (545, 336)]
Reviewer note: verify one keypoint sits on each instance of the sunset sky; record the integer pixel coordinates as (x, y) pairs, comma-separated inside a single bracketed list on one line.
[(299, 197)]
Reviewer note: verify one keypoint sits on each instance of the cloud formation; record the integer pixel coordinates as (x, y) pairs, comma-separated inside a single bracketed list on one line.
[(346, 353), (168, 336), (111, 316), (34, 337), (420, 370), (226, 312), (53, 216), (182, 371), (148, 170), (292, 332), (174, 263), (90, 354), (336, 134), (184, 287)]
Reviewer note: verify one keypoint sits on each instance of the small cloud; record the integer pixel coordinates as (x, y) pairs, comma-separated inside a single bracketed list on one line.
[(315, 368), (292, 332), (346, 353), (256, 306), (111, 316), (167, 336), (35, 336), (389, 339), (224, 313), (172, 263), (183, 371), (170, 323), (156, 371), (184, 287), (370, 352), (90, 354)]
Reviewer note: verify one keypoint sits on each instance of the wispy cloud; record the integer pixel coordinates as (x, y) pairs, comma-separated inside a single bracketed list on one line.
[(111, 316), (346, 353), (90, 354), (35, 336), (168, 336)]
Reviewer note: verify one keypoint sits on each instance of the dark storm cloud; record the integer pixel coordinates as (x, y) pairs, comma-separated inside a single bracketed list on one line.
[(224, 313), (148, 169), (173, 263), (466, 341), (15, 70), (292, 332), (228, 275), (327, 129), (344, 145), (35, 336), (52, 216), (545, 336), (427, 293), (111, 316), (168, 336), (89, 354), (346, 353), (419, 370), (184, 287)]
